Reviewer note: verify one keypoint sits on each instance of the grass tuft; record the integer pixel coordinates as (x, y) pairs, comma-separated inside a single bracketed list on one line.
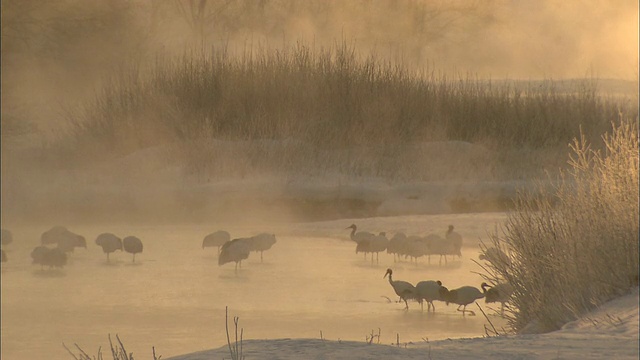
[(576, 246)]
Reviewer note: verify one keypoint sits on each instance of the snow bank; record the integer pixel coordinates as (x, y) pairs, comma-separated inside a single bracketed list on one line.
[(610, 332)]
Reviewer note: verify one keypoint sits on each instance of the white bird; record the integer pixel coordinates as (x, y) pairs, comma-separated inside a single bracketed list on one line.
[(498, 293), (403, 289), (462, 296), (439, 246), (261, 242), (132, 245), (396, 245), (69, 241), (45, 256), (415, 247), (217, 238), (428, 291), (66, 240), (375, 245), (235, 250), (53, 235), (359, 236), (109, 243), (496, 257)]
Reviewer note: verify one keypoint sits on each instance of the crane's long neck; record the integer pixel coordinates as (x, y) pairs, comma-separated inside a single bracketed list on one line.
[(353, 233), (390, 280)]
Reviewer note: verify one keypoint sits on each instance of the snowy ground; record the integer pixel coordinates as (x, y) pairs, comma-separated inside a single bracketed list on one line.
[(610, 332)]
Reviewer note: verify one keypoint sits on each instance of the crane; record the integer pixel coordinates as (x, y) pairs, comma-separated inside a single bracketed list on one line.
[(403, 289)]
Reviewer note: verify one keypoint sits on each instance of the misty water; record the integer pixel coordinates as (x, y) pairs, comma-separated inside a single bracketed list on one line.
[(174, 296)]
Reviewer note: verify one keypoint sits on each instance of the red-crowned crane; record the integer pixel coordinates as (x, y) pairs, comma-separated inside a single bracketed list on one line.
[(414, 248), (66, 240), (498, 293), (109, 243), (53, 258), (217, 239), (462, 296), (428, 291), (132, 245), (396, 245), (261, 242), (403, 289), (440, 246), (375, 245), (496, 257), (360, 235), (53, 235), (235, 250)]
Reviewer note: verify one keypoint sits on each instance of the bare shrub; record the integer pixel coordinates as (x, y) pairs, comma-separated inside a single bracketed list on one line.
[(576, 246)]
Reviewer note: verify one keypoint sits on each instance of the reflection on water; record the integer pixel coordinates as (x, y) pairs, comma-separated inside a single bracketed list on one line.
[(174, 296)]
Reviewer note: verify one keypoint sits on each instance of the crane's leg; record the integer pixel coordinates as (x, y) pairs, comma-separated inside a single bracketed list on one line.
[(406, 304)]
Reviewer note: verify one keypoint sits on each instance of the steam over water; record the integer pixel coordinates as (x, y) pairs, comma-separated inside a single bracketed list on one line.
[(174, 296)]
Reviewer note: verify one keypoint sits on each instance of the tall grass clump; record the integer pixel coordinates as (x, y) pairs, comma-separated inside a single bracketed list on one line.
[(576, 246), (322, 101)]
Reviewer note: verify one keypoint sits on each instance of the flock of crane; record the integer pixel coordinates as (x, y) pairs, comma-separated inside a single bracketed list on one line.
[(59, 241), (432, 290), (412, 247), (238, 249)]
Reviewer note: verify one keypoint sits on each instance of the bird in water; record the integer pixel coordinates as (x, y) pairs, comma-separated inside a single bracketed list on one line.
[(109, 243), (403, 289), (132, 245), (498, 293), (375, 245), (217, 238), (462, 296), (428, 291), (235, 250)]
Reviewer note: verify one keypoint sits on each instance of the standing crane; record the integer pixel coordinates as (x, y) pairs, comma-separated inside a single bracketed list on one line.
[(109, 243), (462, 296), (375, 245), (217, 238), (261, 242), (498, 293), (235, 250), (403, 289), (428, 291), (132, 245)]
